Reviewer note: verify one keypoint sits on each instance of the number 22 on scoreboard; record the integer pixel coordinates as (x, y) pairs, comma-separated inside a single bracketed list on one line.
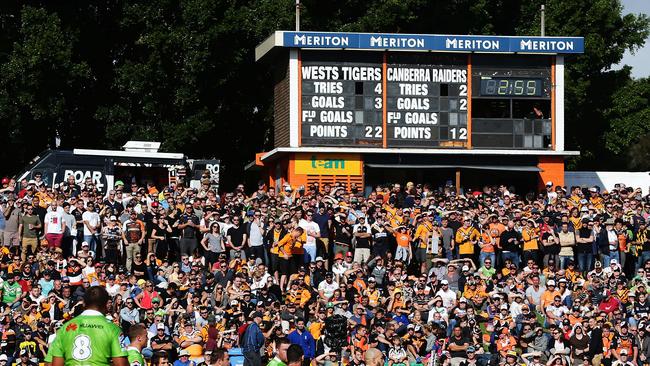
[(458, 134), (369, 131)]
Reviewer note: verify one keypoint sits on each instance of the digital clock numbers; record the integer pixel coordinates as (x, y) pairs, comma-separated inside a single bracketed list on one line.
[(511, 87)]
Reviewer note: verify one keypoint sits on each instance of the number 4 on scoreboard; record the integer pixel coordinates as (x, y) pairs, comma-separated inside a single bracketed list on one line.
[(458, 134)]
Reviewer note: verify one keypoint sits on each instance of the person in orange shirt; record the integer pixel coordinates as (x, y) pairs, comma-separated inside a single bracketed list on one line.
[(488, 244), (285, 251), (403, 238), (466, 237), (298, 295), (505, 342), (530, 235), (547, 297)]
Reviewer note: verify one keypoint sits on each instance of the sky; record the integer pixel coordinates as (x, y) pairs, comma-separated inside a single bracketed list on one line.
[(640, 61)]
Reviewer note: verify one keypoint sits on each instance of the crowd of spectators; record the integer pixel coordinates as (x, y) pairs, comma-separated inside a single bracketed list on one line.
[(425, 275)]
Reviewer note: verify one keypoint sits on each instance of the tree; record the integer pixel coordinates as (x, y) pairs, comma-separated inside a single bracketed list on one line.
[(100, 72), (629, 118), (40, 86)]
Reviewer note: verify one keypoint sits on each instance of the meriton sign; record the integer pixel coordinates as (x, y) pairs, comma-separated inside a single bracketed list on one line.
[(431, 42)]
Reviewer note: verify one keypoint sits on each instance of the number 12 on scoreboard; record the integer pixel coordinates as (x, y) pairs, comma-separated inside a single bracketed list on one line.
[(458, 133)]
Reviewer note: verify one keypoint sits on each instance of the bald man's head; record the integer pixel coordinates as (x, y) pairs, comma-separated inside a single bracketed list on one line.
[(374, 357)]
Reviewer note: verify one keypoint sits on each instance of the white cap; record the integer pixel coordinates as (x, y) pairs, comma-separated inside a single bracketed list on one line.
[(3, 357), (444, 282), (550, 283), (465, 268), (463, 299), (504, 307), (549, 184), (113, 218), (613, 261)]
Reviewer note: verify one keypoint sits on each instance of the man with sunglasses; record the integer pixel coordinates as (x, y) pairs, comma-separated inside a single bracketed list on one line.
[(28, 227)]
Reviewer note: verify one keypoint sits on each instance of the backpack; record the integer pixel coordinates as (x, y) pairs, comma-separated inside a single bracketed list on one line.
[(241, 331)]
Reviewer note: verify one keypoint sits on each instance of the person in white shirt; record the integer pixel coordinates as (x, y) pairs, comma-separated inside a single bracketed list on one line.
[(91, 222), (327, 287), (256, 237), (448, 296), (111, 287), (312, 231), (54, 226)]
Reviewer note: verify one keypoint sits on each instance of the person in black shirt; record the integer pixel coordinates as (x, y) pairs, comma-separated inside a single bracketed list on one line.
[(458, 344), (509, 241), (237, 238), (161, 341), (342, 234), (188, 224), (380, 238)]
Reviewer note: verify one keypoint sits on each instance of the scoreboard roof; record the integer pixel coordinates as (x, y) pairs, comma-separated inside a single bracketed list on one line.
[(422, 42)]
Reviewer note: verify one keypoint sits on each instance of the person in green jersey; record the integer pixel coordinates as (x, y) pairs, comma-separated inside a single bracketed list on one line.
[(90, 338), (138, 337), (280, 359), (11, 290)]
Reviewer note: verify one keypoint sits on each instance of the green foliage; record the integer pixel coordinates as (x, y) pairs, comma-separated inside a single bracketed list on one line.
[(100, 72), (629, 116)]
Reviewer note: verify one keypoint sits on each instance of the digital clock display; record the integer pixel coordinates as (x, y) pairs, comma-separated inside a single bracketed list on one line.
[(511, 87)]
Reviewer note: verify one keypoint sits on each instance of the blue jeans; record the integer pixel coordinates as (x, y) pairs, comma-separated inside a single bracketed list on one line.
[(514, 257), (585, 261), (310, 253), (92, 242), (483, 256), (640, 261), (564, 260)]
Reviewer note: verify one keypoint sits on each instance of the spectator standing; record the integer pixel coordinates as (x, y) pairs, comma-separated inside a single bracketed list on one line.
[(54, 226), (29, 227), (188, 224), (133, 236), (253, 341), (91, 221)]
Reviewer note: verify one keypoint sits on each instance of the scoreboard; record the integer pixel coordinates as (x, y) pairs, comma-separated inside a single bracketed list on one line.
[(426, 100), (415, 100), (356, 90)]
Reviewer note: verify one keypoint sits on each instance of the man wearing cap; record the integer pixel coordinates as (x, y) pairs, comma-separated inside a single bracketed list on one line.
[(447, 295), (161, 341), (363, 240), (253, 341), (624, 345), (623, 359), (466, 238), (133, 235), (112, 235), (471, 357)]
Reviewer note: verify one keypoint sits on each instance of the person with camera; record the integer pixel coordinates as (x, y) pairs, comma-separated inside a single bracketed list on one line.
[(112, 239)]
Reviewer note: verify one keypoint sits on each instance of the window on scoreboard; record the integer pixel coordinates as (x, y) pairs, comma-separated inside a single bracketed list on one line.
[(511, 123)]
